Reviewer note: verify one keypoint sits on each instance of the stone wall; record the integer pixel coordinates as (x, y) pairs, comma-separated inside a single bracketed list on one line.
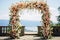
[(39, 29), (56, 31), (5, 33), (22, 31)]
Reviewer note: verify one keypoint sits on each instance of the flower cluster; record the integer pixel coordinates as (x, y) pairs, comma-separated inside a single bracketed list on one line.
[(38, 5)]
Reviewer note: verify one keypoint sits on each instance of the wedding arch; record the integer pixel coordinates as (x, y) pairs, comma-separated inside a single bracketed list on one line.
[(14, 16)]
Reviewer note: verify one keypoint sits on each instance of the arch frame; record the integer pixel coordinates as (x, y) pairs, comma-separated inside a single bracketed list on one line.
[(14, 16)]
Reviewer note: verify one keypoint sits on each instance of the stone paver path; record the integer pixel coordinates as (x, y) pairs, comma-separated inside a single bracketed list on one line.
[(28, 37)]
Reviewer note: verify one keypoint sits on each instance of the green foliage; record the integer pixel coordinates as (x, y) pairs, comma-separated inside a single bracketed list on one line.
[(58, 18), (51, 23), (41, 32), (9, 28), (57, 24)]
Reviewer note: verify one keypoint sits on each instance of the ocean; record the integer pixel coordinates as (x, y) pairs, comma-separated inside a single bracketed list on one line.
[(29, 25)]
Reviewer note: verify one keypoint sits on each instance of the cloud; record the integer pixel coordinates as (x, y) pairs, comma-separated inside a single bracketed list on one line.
[(32, 14), (4, 16), (36, 16), (53, 14)]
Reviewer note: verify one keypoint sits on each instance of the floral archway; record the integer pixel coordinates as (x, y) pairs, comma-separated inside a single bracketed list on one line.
[(14, 16)]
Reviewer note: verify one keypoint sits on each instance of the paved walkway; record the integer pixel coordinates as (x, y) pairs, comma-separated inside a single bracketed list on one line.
[(28, 37)]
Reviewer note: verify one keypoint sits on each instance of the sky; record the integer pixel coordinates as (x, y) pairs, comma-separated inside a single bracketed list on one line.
[(28, 14)]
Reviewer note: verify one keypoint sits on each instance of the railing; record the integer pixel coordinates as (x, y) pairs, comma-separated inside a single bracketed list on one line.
[(4, 30), (56, 30), (39, 29)]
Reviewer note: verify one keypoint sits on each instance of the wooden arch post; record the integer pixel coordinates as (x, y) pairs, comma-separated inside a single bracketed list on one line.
[(14, 16)]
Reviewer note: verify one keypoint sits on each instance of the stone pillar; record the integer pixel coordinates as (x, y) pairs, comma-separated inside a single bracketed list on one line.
[(0, 29), (22, 31), (39, 29)]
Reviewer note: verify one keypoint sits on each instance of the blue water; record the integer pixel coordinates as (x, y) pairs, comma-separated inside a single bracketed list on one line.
[(23, 22), (4, 22), (29, 25)]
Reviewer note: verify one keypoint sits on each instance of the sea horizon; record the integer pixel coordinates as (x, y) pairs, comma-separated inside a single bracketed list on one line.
[(23, 23), (31, 26)]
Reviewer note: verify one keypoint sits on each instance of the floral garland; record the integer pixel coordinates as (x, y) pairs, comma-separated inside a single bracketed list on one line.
[(38, 5)]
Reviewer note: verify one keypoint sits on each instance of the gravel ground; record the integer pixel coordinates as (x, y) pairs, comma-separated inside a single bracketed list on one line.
[(28, 37)]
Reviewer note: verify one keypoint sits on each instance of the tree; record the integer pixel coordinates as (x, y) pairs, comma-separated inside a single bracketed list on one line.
[(58, 18)]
